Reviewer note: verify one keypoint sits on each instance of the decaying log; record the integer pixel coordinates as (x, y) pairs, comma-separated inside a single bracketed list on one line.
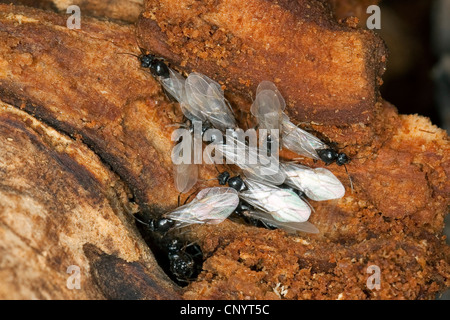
[(40, 4), (56, 198), (80, 83), (119, 279), (328, 72), (252, 267), (121, 10)]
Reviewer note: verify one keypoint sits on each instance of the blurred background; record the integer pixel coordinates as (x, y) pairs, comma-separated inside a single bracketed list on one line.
[(417, 79), (417, 34)]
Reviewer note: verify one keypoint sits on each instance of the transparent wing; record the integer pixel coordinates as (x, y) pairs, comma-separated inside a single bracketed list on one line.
[(267, 85), (174, 85), (185, 176), (284, 205), (300, 141), (250, 161), (318, 184), (206, 100), (268, 106), (256, 173), (289, 227), (220, 115), (211, 205)]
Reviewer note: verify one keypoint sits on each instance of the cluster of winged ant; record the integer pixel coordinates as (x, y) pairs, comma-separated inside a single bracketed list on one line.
[(275, 200)]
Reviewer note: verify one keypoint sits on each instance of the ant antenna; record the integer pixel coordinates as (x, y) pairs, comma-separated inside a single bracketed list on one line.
[(130, 54), (179, 199), (192, 193), (139, 220), (349, 178)]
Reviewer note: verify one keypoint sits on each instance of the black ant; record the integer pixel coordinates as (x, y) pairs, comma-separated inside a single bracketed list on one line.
[(161, 225), (157, 67), (233, 182), (329, 156), (238, 184), (243, 207), (184, 262)]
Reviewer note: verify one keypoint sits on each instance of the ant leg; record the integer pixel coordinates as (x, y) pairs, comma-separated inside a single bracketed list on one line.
[(196, 247), (131, 54), (185, 201)]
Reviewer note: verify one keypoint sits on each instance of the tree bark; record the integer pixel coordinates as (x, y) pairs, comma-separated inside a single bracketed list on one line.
[(329, 73), (91, 145), (57, 199)]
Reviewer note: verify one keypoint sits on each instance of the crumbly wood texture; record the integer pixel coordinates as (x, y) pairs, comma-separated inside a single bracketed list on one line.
[(253, 263), (328, 72), (393, 220), (79, 83), (121, 10), (60, 207), (84, 83)]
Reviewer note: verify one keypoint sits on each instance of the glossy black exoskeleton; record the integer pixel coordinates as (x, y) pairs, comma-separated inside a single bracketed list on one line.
[(181, 262), (329, 156), (235, 182), (157, 66)]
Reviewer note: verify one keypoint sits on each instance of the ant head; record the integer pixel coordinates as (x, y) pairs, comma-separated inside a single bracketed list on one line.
[(174, 245), (146, 60), (342, 159), (223, 178)]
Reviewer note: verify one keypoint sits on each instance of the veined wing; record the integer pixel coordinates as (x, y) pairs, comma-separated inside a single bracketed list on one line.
[(300, 141), (211, 205), (268, 106), (284, 205), (289, 227), (318, 184), (268, 85), (220, 115), (255, 167), (205, 96), (174, 85), (185, 176)]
